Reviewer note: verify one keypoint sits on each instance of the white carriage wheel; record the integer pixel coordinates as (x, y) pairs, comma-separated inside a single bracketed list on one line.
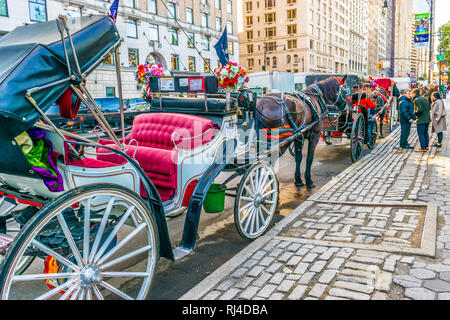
[(256, 201), (110, 232)]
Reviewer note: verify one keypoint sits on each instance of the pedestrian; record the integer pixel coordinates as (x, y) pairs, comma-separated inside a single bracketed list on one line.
[(439, 118), (423, 119), (406, 109)]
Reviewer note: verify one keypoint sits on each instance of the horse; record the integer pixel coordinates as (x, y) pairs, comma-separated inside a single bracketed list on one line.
[(300, 109)]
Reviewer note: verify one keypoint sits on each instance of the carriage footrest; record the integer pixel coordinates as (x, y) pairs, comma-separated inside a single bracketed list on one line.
[(180, 252)]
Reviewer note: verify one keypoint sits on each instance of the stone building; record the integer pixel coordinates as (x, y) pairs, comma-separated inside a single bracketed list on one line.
[(359, 26), (295, 35), (151, 32)]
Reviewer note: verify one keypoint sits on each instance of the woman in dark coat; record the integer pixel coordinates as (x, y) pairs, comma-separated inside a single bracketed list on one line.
[(406, 109)]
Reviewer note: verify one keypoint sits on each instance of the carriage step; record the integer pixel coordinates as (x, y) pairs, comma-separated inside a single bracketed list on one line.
[(180, 252), (7, 205)]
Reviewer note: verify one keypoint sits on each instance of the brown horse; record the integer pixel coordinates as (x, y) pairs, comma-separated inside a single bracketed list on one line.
[(300, 109)]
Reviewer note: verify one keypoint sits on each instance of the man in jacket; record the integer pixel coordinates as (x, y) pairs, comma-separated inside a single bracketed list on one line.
[(423, 118), (406, 109)]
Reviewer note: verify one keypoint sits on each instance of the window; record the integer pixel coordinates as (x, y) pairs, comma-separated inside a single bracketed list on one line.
[(174, 61), (218, 24), (191, 62), (271, 32), (230, 47), (206, 65), (172, 10), (189, 16), (152, 6), (292, 14), (248, 6), (204, 1), (288, 59), (269, 17), (229, 6), (3, 8), (38, 10), (205, 43), (133, 57), (110, 91), (249, 20), (250, 35), (270, 3), (249, 48), (129, 3), (74, 11), (292, 44), (250, 63), (292, 29), (204, 20), (271, 46), (132, 29), (291, 1), (217, 4), (174, 36), (154, 32), (274, 62), (191, 40), (230, 27)]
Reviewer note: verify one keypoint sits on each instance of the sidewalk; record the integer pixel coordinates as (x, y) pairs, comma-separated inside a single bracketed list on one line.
[(379, 230)]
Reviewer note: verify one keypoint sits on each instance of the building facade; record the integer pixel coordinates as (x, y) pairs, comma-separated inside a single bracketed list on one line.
[(295, 35), (358, 49), (151, 32), (403, 45)]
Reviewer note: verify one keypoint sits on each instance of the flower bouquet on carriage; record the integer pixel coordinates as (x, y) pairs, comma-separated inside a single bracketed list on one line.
[(144, 74), (231, 77)]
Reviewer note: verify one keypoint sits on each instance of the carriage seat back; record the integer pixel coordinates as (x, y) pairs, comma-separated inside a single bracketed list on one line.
[(170, 130)]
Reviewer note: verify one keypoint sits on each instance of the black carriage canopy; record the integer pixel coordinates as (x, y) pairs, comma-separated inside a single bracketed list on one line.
[(33, 56), (352, 79)]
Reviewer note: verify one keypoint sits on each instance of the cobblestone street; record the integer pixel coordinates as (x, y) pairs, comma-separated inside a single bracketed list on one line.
[(380, 230)]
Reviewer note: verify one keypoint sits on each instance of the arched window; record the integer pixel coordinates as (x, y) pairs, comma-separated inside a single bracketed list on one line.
[(295, 58), (288, 59), (268, 61), (274, 61)]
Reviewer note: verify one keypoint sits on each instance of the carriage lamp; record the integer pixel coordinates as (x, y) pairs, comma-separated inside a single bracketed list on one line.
[(70, 123)]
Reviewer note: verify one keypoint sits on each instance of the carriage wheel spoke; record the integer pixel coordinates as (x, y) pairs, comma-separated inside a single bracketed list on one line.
[(267, 211), (263, 183), (268, 193), (115, 290), (76, 294), (267, 186), (82, 295), (247, 214), (89, 294), (257, 219), (247, 199), (121, 243), (44, 276), (125, 257), (97, 293), (87, 226), (245, 207), (113, 233), (252, 194), (261, 216), (252, 223), (123, 274), (69, 238), (55, 255), (249, 218), (252, 183), (101, 229), (56, 290), (69, 292)]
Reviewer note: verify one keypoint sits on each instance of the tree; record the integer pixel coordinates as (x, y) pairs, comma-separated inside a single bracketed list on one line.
[(444, 45)]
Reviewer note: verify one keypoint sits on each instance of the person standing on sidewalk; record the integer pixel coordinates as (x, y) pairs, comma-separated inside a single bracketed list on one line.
[(406, 110), (439, 118), (423, 119)]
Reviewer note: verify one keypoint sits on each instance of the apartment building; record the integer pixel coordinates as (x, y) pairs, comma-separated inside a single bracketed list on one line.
[(359, 26), (295, 35), (151, 32), (403, 45)]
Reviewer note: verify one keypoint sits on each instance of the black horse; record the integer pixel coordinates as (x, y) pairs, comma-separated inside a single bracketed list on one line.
[(300, 109)]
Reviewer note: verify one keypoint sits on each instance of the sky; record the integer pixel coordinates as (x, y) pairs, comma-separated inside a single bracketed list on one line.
[(442, 10), (420, 6)]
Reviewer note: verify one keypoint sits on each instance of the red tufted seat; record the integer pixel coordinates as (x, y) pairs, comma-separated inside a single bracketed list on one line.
[(160, 136)]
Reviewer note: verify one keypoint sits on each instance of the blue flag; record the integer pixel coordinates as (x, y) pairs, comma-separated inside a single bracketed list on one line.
[(113, 10), (222, 48)]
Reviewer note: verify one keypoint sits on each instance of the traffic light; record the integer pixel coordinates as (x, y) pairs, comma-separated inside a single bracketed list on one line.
[(380, 64)]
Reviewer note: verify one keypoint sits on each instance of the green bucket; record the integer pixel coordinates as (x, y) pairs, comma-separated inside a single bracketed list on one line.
[(215, 199)]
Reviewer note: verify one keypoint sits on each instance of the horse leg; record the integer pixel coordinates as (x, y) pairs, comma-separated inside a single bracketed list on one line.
[(298, 161), (312, 144)]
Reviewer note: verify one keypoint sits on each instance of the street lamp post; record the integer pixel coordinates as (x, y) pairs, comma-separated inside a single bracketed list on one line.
[(264, 67)]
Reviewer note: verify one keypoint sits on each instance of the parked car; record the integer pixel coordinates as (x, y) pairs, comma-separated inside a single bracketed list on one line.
[(137, 105)]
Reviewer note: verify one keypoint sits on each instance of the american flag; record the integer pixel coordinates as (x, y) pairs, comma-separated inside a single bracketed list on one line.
[(113, 10)]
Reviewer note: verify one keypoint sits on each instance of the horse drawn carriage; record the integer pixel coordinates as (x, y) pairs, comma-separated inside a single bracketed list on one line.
[(388, 113), (76, 215)]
